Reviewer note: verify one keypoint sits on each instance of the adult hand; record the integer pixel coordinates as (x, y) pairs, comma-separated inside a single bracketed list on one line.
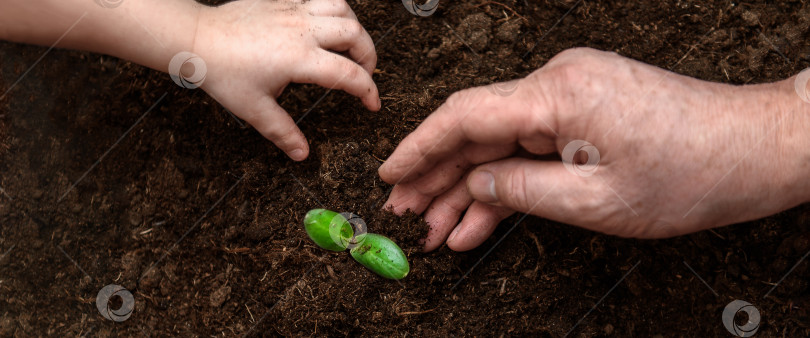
[(254, 49), (675, 154)]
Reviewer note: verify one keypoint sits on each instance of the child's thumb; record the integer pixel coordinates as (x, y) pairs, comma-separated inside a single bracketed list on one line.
[(273, 122)]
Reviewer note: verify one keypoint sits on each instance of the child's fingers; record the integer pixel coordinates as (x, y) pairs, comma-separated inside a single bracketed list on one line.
[(276, 125), (333, 71), (340, 35)]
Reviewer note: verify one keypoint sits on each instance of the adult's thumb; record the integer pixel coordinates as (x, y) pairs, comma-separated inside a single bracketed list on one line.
[(543, 188)]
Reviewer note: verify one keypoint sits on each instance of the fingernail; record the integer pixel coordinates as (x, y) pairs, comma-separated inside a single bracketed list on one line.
[(481, 185), (297, 154), (453, 234)]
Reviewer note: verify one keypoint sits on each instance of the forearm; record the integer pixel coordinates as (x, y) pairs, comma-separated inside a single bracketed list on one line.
[(148, 32)]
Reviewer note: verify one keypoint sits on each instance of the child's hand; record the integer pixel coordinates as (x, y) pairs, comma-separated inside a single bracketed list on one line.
[(253, 49)]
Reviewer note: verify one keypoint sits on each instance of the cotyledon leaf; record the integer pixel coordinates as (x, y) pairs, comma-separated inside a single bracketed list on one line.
[(381, 255), (328, 229)]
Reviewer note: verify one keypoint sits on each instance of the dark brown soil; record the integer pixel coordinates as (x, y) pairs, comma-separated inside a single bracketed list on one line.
[(201, 219)]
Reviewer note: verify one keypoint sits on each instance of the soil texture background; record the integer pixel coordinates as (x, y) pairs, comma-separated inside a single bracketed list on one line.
[(200, 218)]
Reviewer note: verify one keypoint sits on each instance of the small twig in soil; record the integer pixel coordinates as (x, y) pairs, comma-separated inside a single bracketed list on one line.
[(235, 250), (505, 6), (256, 213), (408, 313), (252, 320), (519, 260), (377, 158), (691, 48), (540, 249), (144, 295), (716, 234)]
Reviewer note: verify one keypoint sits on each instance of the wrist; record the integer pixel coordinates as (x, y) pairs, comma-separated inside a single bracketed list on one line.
[(159, 30), (796, 129), (781, 127), (768, 154)]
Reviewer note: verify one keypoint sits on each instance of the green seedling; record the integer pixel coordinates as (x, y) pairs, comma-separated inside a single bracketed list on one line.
[(381, 255), (328, 229), (332, 231)]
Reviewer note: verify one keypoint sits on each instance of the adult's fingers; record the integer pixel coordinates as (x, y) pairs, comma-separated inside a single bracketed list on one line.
[(444, 212), (417, 194), (339, 8), (333, 71), (475, 115), (341, 35), (404, 197), (543, 188), (478, 224), (447, 172), (273, 122)]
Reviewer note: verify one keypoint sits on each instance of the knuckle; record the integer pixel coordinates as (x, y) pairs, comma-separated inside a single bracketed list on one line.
[(575, 74), (517, 190), (455, 99), (353, 28), (590, 205), (569, 73), (270, 130), (281, 135), (351, 70), (372, 60), (575, 62), (253, 116), (582, 55), (574, 53), (432, 190), (602, 210), (342, 6), (460, 99)]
